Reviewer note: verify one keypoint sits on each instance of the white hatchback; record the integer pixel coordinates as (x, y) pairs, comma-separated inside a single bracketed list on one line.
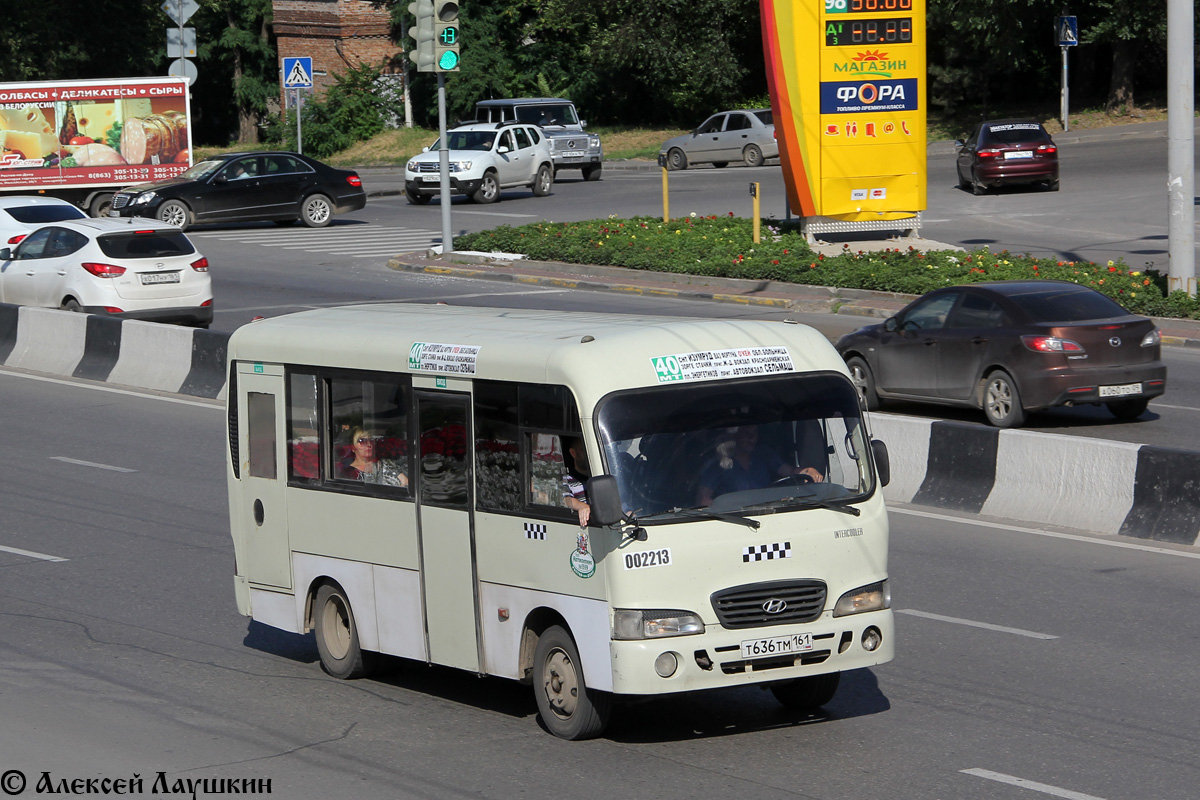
[(132, 268), (22, 214)]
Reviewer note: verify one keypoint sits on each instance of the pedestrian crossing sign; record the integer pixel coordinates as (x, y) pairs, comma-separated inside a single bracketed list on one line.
[(297, 72)]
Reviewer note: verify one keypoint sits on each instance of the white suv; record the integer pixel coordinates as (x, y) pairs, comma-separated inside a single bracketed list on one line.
[(484, 158)]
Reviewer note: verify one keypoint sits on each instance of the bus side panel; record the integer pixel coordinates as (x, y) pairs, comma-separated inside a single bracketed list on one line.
[(356, 580), (398, 612), (346, 526), (586, 619), (276, 609), (514, 551)]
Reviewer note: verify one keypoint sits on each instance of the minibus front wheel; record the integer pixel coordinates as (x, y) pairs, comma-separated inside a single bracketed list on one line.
[(568, 708), (337, 635), (808, 693)]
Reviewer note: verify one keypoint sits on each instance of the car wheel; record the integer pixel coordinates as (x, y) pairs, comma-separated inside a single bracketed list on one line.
[(417, 198), (337, 635), (807, 694), (1002, 401), (592, 173), (752, 155), (543, 181), (71, 304), (175, 213), (1129, 409), (864, 382), (317, 211), (568, 708), (720, 164), (676, 159), (964, 183), (489, 189), (1052, 185)]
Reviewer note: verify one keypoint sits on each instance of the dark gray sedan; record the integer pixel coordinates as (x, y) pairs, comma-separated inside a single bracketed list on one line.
[(747, 135), (1009, 347)]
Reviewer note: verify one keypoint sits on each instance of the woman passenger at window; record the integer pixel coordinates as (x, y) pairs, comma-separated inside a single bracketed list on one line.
[(364, 466)]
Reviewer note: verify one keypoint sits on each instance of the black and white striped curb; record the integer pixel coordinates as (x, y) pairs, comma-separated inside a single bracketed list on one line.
[(1143, 491), (146, 355)]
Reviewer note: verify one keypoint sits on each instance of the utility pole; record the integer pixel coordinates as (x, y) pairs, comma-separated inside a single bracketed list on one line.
[(1181, 157)]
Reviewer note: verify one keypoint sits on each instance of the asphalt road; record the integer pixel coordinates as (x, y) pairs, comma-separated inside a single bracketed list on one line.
[(1029, 664)]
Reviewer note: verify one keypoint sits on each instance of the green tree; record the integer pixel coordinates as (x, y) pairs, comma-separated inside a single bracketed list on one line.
[(1136, 34), (238, 60), (64, 40)]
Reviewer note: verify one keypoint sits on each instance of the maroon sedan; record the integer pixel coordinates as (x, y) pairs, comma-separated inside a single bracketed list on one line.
[(1009, 347), (1007, 151)]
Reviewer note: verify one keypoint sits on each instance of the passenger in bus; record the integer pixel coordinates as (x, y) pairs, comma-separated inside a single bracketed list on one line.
[(576, 475), (362, 465), (741, 465)]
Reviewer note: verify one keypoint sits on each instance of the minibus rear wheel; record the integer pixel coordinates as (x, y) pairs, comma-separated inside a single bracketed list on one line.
[(807, 694), (337, 635), (568, 708)]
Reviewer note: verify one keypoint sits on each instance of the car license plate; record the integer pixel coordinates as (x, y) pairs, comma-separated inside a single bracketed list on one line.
[(159, 277), (777, 646), (431, 178), (573, 154), (1019, 154), (1121, 391)]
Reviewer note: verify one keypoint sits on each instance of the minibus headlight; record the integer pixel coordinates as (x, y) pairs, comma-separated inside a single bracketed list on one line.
[(635, 623), (874, 597)]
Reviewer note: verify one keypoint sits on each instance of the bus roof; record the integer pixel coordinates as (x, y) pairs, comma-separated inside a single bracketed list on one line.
[(592, 353)]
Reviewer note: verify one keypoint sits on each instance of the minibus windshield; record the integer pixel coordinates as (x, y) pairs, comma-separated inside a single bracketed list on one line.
[(750, 446)]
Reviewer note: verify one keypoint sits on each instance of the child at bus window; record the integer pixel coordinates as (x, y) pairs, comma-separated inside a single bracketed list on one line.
[(576, 475), (365, 467)]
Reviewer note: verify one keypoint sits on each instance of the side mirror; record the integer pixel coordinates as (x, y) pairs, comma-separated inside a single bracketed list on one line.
[(583, 123), (502, 149), (959, 143), (6, 254), (890, 325), (882, 462), (222, 178), (605, 499), (425, 149)]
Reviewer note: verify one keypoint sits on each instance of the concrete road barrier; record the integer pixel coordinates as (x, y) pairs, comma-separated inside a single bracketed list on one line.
[(1046, 479)]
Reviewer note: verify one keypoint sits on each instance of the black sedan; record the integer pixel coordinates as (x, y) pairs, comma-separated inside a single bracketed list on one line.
[(1009, 347), (240, 187), (1003, 152)]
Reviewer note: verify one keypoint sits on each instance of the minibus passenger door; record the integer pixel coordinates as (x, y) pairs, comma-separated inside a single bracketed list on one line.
[(260, 509), (448, 572)]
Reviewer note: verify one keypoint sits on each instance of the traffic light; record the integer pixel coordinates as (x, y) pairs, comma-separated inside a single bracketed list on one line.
[(445, 42), (423, 32)]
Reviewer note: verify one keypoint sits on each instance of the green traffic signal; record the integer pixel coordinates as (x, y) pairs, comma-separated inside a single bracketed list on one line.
[(448, 61)]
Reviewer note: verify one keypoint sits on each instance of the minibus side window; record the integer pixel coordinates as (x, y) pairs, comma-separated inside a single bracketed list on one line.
[(260, 433), (546, 470), (304, 446), (497, 446), (368, 432)]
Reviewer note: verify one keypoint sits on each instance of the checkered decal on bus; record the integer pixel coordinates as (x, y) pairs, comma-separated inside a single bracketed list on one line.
[(767, 552), (534, 530)]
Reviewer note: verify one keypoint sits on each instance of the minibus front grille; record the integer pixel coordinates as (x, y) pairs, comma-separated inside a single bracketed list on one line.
[(775, 603)]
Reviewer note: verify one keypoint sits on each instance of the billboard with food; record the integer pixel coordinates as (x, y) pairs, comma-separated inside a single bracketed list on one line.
[(93, 133)]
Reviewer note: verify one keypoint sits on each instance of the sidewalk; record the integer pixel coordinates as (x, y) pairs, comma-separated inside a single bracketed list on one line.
[(767, 294)]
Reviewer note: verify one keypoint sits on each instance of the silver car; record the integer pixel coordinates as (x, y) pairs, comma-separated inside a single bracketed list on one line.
[(745, 135)]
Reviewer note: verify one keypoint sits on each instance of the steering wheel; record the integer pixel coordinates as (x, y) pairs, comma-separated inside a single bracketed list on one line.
[(798, 478)]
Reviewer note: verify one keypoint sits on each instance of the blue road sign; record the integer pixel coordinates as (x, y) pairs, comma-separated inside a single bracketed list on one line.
[(297, 73), (1067, 30)]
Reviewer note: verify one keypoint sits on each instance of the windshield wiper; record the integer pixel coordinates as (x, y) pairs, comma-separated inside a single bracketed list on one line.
[(662, 517), (832, 505)]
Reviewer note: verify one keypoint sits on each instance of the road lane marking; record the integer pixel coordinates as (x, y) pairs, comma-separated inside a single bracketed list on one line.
[(30, 554), (494, 214), (90, 464), (1071, 537), (1177, 408), (217, 404), (912, 612), (1044, 788)]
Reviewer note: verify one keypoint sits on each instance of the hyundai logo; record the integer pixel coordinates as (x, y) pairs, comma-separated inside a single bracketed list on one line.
[(1115, 341), (774, 606)]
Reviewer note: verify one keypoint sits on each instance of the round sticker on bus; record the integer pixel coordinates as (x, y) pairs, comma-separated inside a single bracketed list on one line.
[(582, 563)]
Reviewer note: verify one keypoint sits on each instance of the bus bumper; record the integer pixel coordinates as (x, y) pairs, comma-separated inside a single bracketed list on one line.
[(713, 659)]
